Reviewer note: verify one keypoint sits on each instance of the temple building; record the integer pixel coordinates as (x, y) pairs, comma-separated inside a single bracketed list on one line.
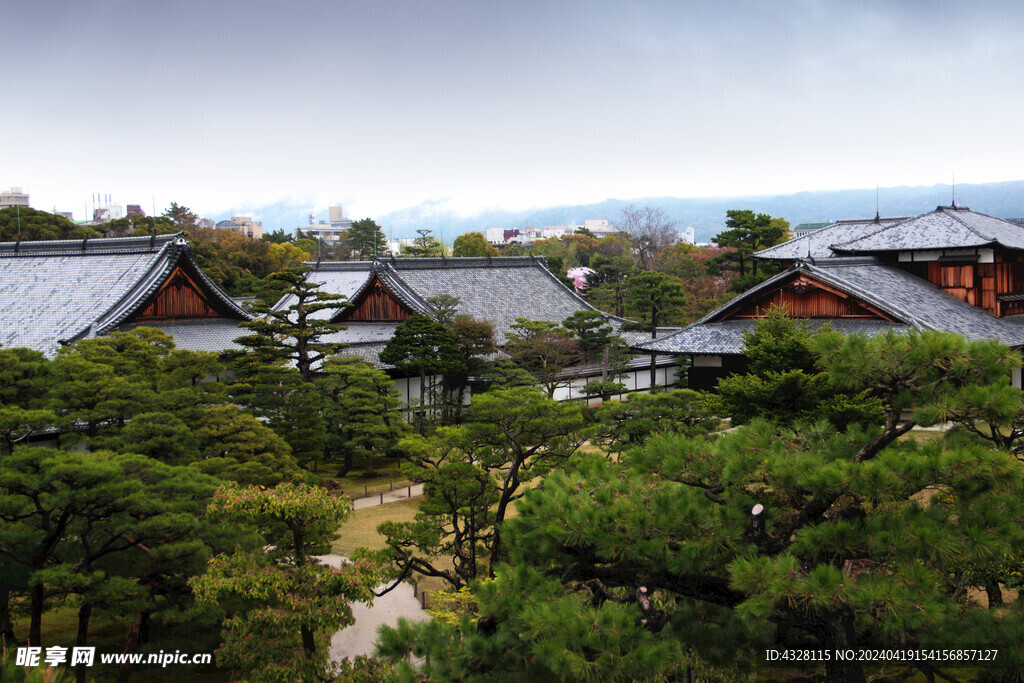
[(386, 292), (951, 270), (53, 293)]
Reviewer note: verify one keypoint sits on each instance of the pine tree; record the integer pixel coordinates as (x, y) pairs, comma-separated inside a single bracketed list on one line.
[(472, 474), (424, 347), (367, 239), (296, 330)]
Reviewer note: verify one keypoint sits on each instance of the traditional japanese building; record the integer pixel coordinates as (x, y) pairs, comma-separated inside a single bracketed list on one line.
[(951, 270), (56, 292), (386, 292)]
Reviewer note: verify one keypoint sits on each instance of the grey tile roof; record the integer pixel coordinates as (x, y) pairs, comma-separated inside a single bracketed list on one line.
[(55, 292), (368, 352), (202, 335), (499, 290), (363, 333), (344, 277), (726, 337), (818, 244), (495, 289), (911, 301), (945, 228)]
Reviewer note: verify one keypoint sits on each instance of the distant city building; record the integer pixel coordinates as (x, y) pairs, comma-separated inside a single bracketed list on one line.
[(805, 228), (688, 236), (495, 236), (336, 216), (244, 225), (560, 230), (135, 210), (13, 197), (505, 236), (331, 230), (600, 228), (108, 213), (205, 223), (66, 214)]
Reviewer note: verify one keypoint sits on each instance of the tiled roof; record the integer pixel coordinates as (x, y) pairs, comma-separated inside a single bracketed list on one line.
[(495, 289), (368, 352), (345, 278), (55, 292), (499, 290), (726, 337), (203, 335), (911, 301), (818, 244), (948, 227), (363, 333)]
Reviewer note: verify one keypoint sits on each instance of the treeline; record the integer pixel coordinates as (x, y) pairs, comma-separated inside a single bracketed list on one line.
[(141, 487), (645, 273)]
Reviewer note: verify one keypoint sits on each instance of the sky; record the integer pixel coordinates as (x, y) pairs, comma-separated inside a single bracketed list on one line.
[(224, 106)]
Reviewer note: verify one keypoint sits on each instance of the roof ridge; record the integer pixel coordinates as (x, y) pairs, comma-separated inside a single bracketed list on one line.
[(881, 228), (87, 245), (460, 262), (897, 219), (951, 211), (353, 266)]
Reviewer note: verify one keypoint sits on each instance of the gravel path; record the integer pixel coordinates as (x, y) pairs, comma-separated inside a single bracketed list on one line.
[(358, 638), (388, 497)]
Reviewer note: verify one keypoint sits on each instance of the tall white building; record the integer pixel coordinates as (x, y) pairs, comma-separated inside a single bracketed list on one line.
[(331, 230), (13, 197)]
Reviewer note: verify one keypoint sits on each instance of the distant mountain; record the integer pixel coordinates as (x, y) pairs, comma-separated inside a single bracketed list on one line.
[(707, 216)]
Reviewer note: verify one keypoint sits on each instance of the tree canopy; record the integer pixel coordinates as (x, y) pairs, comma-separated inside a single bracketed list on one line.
[(472, 244), (366, 239)]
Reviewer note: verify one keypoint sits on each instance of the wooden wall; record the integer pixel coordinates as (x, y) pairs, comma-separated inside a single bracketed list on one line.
[(807, 301), (979, 284), (958, 279), (378, 304), (178, 298)]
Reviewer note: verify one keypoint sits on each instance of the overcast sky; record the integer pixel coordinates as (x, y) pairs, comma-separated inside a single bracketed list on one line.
[(381, 105)]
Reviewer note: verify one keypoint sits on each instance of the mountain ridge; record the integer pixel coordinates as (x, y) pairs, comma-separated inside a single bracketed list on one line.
[(707, 215)]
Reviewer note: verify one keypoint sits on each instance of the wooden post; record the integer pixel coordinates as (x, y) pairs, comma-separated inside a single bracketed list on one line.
[(381, 497), (392, 482)]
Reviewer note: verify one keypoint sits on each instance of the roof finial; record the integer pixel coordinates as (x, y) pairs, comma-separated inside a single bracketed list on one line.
[(878, 215), (952, 191)]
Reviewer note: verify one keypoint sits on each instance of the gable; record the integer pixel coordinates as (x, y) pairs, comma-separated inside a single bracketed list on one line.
[(376, 303), (180, 297), (804, 297)]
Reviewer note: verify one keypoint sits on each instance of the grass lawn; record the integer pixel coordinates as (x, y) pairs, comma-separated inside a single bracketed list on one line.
[(356, 484), (360, 529)]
